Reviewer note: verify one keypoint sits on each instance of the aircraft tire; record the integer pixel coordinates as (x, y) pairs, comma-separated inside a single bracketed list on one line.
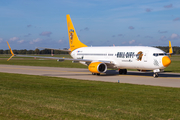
[(98, 73), (121, 71), (155, 75), (125, 71)]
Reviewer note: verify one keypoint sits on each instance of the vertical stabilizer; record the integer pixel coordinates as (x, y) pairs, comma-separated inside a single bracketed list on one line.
[(74, 41)]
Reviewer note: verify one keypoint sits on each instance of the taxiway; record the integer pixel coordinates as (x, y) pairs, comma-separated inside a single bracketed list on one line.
[(132, 77)]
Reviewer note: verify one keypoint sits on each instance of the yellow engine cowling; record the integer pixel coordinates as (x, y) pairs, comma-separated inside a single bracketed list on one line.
[(97, 67)]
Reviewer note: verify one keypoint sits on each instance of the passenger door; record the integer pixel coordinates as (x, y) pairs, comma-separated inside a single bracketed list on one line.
[(146, 56)]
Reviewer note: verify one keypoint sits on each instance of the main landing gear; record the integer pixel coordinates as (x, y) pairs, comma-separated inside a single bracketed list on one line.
[(122, 71), (95, 73), (155, 75)]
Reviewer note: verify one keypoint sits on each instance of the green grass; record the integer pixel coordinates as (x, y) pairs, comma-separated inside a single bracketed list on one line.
[(40, 62), (40, 97), (173, 67)]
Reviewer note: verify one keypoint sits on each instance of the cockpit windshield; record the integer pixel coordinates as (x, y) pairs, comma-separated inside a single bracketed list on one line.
[(159, 54)]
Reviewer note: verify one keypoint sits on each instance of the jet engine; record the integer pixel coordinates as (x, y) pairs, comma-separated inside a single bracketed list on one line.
[(97, 67)]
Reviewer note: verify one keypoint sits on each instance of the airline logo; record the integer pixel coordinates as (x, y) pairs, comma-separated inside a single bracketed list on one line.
[(125, 54), (139, 56), (71, 35)]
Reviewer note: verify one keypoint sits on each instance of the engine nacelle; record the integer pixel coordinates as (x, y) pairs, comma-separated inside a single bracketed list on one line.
[(97, 67)]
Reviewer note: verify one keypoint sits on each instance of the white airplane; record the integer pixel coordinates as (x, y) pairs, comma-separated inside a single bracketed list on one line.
[(99, 59)]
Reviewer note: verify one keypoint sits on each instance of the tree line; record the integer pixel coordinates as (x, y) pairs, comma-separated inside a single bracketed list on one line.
[(36, 51), (176, 50)]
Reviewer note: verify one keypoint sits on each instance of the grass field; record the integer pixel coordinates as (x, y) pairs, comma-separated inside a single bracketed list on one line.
[(173, 67), (40, 62), (39, 97)]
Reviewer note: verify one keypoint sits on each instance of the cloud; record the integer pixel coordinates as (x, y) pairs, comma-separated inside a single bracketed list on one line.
[(124, 43), (138, 35), (120, 35), (90, 42), (162, 31), (27, 35), (14, 39), (1, 40), (168, 6), (113, 36), (35, 41), (148, 9), (29, 25), (175, 36), (176, 19), (20, 41), (46, 33), (148, 37), (131, 27), (60, 41), (131, 42), (163, 38), (85, 29)]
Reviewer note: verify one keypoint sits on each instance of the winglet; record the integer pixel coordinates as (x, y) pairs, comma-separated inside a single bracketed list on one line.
[(170, 49), (12, 54)]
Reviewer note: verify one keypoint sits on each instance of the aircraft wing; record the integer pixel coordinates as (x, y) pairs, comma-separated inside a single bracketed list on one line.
[(62, 58), (110, 64)]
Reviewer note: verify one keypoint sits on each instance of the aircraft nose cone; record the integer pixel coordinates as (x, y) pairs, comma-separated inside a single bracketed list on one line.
[(166, 61)]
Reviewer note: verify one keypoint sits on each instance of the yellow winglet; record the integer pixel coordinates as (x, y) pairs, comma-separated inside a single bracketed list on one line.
[(170, 49), (12, 54)]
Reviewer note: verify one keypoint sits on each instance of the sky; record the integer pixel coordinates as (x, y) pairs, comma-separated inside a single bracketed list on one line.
[(27, 24)]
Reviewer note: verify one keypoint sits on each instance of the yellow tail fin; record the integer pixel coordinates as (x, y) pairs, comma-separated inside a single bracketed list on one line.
[(170, 49), (12, 54), (74, 41)]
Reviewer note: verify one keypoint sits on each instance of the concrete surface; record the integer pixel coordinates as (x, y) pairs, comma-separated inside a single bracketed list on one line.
[(132, 77)]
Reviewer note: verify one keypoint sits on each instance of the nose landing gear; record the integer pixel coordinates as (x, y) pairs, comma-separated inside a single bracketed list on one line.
[(155, 75)]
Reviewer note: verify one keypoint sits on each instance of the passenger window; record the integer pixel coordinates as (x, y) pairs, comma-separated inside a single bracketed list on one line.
[(161, 54)]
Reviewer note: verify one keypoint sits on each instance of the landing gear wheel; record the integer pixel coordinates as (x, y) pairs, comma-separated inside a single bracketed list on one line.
[(98, 73), (123, 71), (155, 75), (120, 71), (93, 73)]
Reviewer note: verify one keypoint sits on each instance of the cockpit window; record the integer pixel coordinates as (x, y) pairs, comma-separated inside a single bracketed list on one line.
[(159, 54), (155, 54)]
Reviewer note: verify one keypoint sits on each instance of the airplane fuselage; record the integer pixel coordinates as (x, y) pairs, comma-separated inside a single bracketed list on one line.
[(124, 57)]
